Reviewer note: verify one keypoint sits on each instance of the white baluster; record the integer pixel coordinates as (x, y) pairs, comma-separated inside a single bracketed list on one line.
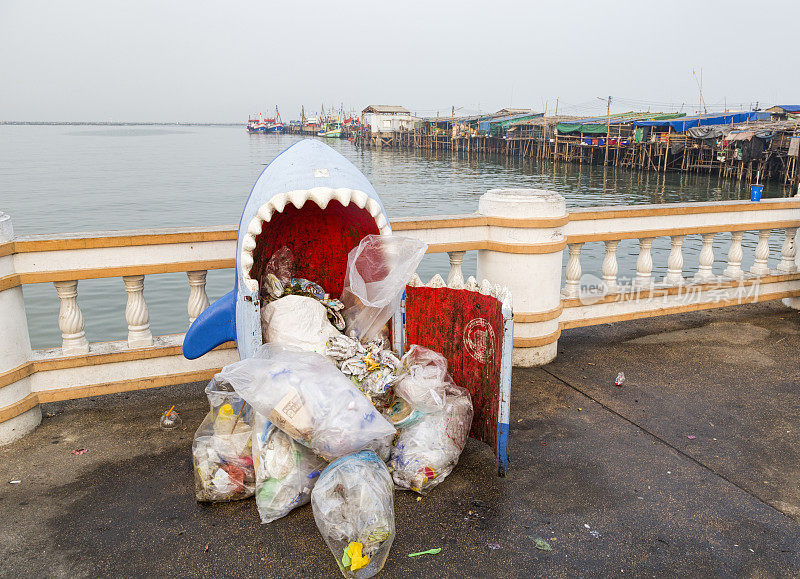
[(734, 269), (198, 300), (761, 256), (675, 262), (70, 319), (573, 283), (704, 273), (610, 266), (787, 264), (644, 263), (136, 313), (455, 278)]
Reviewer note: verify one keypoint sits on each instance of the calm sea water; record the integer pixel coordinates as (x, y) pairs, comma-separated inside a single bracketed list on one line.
[(71, 178)]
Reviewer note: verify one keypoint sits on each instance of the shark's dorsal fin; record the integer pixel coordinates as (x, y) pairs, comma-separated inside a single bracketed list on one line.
[(215, 326)]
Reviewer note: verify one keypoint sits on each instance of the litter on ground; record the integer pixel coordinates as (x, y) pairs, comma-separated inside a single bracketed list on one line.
[(326, 412), (435, 551)]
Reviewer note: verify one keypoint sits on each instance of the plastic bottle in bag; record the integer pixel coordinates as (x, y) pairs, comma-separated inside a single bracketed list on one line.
[(307, 397), (425, 452), (423, 379), (353, 507), (377, 272), (221, 449), (286, 471)]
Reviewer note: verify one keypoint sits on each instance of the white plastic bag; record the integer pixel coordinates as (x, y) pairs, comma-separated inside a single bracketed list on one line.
[(425, 452), (306, 396), (297, 321), (285, 470), (423, 379), (377, 273), (221, 449), (354, 510)]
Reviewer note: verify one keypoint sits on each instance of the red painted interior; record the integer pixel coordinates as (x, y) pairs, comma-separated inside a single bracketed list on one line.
[(437, 318), (320, 240)]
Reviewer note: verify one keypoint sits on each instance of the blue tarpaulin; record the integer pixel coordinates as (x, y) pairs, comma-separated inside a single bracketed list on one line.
[(684, 123)]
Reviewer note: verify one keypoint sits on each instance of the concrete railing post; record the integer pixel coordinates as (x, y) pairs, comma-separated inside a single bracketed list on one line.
[(19, 409), (527, 260)]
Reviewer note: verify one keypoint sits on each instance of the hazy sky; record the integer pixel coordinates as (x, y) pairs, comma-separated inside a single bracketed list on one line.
[(164, 60)]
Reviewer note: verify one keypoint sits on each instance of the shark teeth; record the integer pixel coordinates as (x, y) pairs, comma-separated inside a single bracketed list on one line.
[(321, 196)]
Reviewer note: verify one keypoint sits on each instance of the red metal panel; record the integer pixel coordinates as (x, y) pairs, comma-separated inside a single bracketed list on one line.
[(466, 327), (320, 241)]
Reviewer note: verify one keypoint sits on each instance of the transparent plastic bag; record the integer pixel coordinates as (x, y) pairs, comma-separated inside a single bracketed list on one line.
[(221, 450), (353, 507), (425, 452), (306, 396), (278, 273), (423, 379), (297, 321), (377, 273), (286, 471)]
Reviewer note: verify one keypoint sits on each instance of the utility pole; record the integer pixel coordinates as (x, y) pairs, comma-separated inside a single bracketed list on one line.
[(608, 130), (556, 113), (453, 111)]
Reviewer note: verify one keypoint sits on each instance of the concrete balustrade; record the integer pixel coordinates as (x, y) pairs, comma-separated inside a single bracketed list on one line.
[(761, 257), (706, 261), (735, 254), (19, 408), (519, 235), (198, 300), (528, 262), (70, 319), (675, 262)]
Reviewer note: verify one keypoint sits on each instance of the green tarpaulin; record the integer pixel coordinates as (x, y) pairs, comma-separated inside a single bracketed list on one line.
[(599, 125)]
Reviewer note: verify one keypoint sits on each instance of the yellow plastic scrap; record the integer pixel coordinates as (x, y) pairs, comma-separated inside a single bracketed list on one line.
[(371, 364), (353, 558)]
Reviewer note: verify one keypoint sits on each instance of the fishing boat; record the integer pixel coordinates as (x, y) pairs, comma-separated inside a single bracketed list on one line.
[(332, 130), (256, 125), (275, 125)]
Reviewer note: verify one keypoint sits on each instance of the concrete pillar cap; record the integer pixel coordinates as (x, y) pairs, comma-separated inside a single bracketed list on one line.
[(6, 229), (522, 203)]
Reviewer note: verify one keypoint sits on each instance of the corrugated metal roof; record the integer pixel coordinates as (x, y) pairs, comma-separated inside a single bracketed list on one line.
[(786, 108), (386, 110)]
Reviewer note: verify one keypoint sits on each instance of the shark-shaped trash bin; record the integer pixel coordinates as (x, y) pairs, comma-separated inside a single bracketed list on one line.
[(315, 202)]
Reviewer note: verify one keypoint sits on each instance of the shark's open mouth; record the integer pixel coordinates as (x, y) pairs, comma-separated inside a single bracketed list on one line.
[(320, 226)]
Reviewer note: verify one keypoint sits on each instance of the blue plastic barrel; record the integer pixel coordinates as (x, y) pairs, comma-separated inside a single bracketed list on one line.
[(755, 192)]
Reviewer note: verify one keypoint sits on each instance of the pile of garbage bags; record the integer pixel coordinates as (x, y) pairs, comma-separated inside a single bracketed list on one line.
[(325, 412)]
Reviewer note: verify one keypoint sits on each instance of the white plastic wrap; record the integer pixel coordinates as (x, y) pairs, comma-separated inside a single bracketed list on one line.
[(353, 507), (306, 396), (298, 321), (286, 471), (425, 452), (423, 379), (377, 272), (221, 449)]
